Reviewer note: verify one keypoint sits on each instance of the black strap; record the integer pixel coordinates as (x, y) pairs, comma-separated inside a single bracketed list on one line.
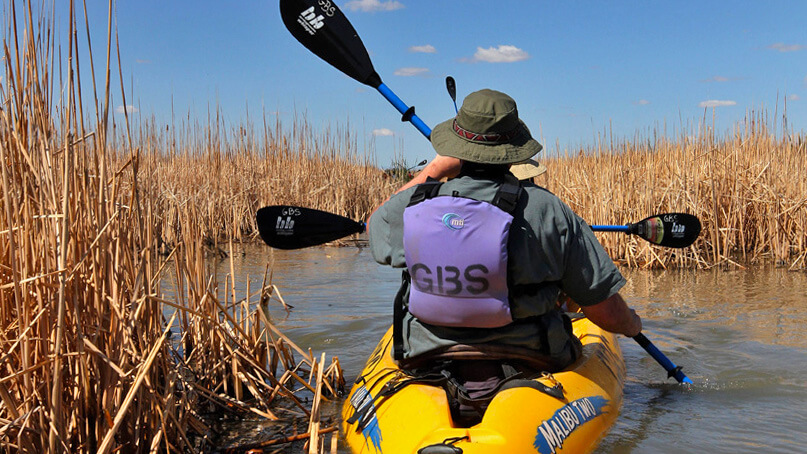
[(398, 312), (512, 379), (507, 196), (391, 387), (553, 391), (424, 191)]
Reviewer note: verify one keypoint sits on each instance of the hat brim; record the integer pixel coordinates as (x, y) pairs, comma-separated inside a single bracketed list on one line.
[(527, 170), (447, 143)]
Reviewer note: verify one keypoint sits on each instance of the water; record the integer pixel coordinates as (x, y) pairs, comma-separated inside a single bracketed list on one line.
[(738, 334)]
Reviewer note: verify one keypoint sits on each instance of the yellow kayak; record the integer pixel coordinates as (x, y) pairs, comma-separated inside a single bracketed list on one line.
[(416, 418)]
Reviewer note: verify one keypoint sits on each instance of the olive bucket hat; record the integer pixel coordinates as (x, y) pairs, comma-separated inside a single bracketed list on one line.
[(486, 130)]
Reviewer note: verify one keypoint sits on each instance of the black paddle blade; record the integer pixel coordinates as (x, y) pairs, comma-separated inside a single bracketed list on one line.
[(322, 28), (451, 86), (675, 230), (289, 227)]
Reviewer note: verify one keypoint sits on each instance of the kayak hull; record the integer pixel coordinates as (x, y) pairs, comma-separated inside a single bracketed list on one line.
[(518, 420)]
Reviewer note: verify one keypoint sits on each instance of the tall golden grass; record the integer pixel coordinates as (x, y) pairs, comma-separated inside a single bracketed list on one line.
[(95, 356), (747, 188), (227, 176)]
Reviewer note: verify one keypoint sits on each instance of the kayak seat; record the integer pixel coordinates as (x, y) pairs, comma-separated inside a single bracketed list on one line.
[(471, 379), (484, 352)]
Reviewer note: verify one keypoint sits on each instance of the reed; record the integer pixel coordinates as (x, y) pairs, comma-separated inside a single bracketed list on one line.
[(747, 187), (96, 356)]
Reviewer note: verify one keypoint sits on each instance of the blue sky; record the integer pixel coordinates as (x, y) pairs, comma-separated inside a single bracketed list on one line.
[(577, 69)]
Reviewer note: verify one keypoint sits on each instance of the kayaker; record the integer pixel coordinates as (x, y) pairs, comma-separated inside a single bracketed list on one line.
[(486, 256)]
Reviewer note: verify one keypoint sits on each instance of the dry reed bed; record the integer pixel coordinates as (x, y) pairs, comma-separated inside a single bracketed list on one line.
[(748, 190), (228, 176), (94, 357)]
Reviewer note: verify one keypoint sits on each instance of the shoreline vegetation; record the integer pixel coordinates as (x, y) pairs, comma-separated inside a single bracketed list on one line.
[(115, 335), (747, 188), (100, 211)]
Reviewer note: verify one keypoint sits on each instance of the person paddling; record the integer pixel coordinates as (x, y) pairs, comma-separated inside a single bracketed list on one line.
[(485, 256)]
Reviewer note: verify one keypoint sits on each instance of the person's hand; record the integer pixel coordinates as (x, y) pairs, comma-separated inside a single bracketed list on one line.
[(635, 327)]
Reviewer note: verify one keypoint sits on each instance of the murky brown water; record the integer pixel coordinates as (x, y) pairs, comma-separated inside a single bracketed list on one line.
[(739, 335)]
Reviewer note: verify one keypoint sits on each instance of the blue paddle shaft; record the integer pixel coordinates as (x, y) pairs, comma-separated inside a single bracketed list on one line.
[(403, 109), (669, 366), (611, 228)]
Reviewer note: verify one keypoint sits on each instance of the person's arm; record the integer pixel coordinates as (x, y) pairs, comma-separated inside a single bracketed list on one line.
[(614, 315), (439, 167)]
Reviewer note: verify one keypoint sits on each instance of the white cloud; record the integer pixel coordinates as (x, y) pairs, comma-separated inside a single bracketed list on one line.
[(382, 132), (782, 47), (642, 102), (716, 103), (794, 97), (410, 72), (129, 109), (143, 62), (426, 49), (369, 6), (501, 54)]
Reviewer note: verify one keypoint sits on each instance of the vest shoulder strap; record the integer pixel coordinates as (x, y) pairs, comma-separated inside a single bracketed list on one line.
[(424, 191), (507, 196)]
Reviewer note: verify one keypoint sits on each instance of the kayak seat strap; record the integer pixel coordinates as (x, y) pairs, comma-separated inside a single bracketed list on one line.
[(391, 387), (485, 352), (459, 396), (555, 391)]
